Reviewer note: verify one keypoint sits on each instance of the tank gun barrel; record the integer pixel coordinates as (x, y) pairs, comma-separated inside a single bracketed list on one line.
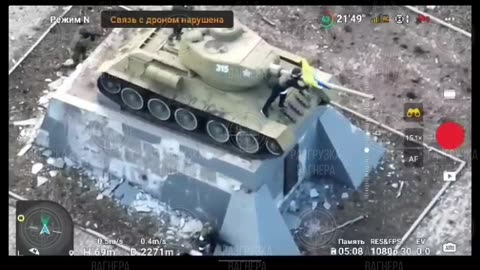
[(348, 90)]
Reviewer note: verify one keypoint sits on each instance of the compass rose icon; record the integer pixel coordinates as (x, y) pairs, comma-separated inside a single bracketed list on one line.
[(45, 220)]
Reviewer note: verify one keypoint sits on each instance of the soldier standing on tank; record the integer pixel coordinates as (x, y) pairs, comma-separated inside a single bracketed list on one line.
[(177, 30), (280, 88), (81, 43)]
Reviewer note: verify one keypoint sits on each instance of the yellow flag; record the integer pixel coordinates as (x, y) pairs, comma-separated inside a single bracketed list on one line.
[(309, 74)]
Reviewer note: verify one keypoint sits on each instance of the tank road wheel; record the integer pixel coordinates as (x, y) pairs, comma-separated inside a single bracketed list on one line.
[(186, 119), (247, 142), (159, 109), (218, 131), (110, 85), (132, 99), (273, 147)]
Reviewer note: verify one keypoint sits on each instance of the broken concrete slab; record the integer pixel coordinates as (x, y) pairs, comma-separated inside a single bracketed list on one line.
[(142, 209), (112, 186), (56, 84), (56, 162), (47, 153), (36, 168), (192, 226), (327, 205), (41, 180), (125, 193), (314, 193), (28, 122), (293, 206), (69, 162)]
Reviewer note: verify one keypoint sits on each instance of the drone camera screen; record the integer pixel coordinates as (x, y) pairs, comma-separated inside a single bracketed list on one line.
[(240, 130)]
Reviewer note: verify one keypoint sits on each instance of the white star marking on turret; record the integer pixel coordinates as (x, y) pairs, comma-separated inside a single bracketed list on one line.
[(246, 73)]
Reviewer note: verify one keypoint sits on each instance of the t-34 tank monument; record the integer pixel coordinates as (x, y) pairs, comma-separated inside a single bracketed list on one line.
[(182, 120)]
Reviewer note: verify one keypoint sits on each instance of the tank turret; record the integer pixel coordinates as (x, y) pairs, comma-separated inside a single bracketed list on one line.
[(233, 59)]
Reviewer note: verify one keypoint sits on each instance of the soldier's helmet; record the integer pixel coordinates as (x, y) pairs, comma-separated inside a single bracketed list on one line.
[(296, 72), (83, 31)]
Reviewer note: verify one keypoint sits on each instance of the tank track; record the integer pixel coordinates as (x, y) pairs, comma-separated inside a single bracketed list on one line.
[(200, 133)]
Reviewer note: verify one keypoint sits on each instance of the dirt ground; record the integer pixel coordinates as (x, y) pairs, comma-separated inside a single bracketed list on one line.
[(396, 63)]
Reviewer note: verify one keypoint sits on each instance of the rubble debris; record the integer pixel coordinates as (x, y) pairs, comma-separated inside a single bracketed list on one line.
[(56, 84), (99, 196), (395, 185), (68, 162), (24, 150), (143, 209), (68, 63), (345, 224), (293, 206), (314, 205), (344, 195), (314, 193), (195, 253), (36, 168), (47, 153), (53, 173), (192, 226), (145, 201), (44, 100), (400, 189), (28, 122), (327, 205), (41, 180), (113, 185), (174, 221), (56, 162), (266, 20)]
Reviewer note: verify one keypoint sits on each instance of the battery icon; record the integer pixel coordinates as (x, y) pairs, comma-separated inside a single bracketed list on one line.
[(333, 251)]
